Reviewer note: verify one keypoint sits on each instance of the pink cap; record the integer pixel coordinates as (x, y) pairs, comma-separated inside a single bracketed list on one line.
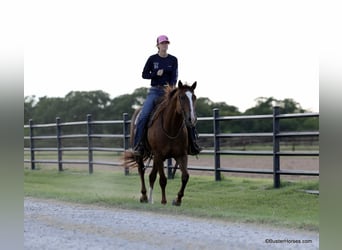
[(162, 38)]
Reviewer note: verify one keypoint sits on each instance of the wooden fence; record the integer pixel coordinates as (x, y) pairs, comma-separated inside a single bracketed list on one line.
[(216, 151)]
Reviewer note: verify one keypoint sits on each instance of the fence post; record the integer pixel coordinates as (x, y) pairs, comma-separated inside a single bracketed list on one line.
[(33, 164), (276, 158), (216, 126), (59, 144), (125, 137), (90, 144)]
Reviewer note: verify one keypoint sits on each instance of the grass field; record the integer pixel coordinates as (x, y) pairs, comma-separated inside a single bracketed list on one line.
[(233, 199)]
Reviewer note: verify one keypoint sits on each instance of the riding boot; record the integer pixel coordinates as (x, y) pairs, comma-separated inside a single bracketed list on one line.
[(193, 148), (139, 148)]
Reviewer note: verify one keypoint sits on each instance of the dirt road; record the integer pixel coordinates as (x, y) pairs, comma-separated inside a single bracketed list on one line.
[(59, 225)]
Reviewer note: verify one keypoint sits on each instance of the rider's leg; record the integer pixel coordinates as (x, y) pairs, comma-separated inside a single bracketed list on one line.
[(146, 110)]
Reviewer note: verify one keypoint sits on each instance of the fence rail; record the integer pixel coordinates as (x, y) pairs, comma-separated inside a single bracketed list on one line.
[(276, 135)]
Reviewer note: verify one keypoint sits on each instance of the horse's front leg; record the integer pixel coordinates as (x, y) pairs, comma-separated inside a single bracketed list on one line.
[(183, 165), (152, 179), (159, 164)]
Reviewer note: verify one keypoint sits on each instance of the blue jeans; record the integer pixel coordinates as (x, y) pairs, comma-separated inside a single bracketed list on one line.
[(152, 97)]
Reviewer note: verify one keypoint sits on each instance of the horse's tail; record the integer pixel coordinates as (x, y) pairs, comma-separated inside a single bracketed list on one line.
[(129, 159)]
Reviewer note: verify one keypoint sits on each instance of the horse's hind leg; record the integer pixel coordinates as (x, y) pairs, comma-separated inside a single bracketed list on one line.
[(162, 181), (185, 177), (141, 169)]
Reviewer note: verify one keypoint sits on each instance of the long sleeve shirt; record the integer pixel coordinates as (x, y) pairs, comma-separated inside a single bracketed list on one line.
[(154, 63)]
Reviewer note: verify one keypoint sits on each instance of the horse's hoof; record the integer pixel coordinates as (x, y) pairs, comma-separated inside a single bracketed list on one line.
[(143, 200), (176, 203), (163, 202)]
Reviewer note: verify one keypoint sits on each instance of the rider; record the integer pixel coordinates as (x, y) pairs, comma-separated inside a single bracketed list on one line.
[(162, 69)]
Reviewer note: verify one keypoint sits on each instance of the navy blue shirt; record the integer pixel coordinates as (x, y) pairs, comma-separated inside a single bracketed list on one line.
[(155, 62)]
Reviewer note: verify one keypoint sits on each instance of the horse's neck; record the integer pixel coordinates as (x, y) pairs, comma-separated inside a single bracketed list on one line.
[(172, 120)]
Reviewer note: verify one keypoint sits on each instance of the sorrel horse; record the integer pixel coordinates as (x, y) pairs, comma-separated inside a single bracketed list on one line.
[(167, 137)]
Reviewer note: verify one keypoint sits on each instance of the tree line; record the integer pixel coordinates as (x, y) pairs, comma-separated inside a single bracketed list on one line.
[(77, 104)]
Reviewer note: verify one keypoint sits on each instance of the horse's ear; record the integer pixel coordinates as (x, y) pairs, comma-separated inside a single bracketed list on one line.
[(180, 84), (193, 86)]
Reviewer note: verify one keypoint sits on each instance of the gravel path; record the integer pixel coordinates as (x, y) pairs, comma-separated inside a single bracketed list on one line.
[(59, 225)]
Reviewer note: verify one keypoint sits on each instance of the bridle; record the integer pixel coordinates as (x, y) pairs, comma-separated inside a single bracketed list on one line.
[(181, 126), (184, 114)]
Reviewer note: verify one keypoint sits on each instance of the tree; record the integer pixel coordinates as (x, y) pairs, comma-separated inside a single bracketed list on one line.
[(29, 105), (204, 108), (81, 103), (77, 104), (265, 105), (126, 103), (48, 108)]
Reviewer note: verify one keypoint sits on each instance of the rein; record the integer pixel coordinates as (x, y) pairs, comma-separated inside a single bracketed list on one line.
[(179, 130), (165, 132)]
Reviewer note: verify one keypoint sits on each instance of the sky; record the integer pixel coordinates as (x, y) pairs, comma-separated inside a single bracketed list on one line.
[(237, 51)]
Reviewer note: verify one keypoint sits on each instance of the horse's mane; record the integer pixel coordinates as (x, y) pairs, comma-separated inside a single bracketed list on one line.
[(169, 93)]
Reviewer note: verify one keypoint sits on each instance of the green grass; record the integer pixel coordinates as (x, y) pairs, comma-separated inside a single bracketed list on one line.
[(232, 199)]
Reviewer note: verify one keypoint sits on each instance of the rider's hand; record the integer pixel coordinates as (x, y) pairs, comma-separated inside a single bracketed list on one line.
[(160, 72)]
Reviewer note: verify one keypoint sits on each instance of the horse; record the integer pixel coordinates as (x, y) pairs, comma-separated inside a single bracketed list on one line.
[(167, 137)]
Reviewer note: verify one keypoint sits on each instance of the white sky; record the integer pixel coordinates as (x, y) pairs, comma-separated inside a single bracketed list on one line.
[(237, 51)]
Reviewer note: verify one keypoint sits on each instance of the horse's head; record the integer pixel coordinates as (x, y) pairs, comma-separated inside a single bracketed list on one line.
[(187, 102)]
